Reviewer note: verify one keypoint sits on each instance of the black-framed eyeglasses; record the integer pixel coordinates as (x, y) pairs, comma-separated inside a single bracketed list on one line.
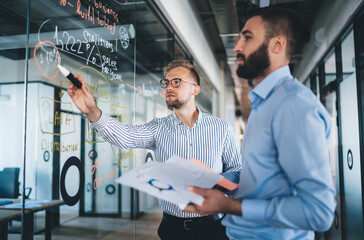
[(175, 82)]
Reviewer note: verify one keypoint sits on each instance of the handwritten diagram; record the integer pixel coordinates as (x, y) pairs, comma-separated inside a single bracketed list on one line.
[(95, 162), (50, 118), (98, 13), (56, 146), (50, 56), (102, 93), (95, 44)]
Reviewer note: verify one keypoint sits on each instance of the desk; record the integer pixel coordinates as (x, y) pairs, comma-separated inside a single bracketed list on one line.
[(5, 217), (36, 206)]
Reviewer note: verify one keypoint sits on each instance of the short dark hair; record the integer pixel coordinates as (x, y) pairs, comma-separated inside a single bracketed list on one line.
[(280, 21), (184, 64)]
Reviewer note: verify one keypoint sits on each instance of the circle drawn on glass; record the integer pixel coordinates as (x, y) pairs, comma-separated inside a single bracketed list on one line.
[(161, 186), (92, 154), (350, 159), (124, 37), (46, 156), (72, 200), (110, 189)]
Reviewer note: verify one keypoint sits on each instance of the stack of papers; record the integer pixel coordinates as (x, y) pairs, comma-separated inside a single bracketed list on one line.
[(169, 180)]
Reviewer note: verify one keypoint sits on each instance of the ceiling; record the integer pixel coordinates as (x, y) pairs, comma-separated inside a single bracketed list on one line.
[(156, 45), (223, 20)]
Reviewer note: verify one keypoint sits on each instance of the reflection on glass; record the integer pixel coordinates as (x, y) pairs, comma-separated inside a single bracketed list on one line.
[(348, 57), (120, 49), (12, 65), (352, 191), (330, 68)]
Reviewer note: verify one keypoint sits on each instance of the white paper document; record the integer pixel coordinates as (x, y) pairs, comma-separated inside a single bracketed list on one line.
[(169, 180)]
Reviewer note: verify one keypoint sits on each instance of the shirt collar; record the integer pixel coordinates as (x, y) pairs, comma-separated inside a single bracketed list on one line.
[(177, 121), (262, 90)]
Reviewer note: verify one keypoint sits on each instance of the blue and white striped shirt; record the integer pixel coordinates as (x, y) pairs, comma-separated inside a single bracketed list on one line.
[(210, 140)]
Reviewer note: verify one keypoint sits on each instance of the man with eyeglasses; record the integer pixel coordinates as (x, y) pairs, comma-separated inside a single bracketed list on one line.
[(187, 132)]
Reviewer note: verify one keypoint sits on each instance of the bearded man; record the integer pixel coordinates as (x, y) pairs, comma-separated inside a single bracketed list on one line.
[(286, 187)]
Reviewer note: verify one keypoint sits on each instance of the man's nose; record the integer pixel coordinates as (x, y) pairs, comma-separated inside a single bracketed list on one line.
[(169, 86), (239, 46)]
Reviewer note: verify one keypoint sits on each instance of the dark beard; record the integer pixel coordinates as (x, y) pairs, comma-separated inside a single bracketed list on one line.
[(176, 104), (256, 64)]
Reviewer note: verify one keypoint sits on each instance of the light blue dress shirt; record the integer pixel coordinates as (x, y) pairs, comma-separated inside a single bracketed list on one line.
[(211, 140), (286, 182)]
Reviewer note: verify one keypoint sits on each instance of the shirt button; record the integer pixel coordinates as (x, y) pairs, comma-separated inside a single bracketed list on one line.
[(191, 145)]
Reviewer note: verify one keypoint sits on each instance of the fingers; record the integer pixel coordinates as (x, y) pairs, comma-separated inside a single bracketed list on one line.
[(85, 88), (197, 190), (70, 89), (82, 81), (79, 78), (191, 208)]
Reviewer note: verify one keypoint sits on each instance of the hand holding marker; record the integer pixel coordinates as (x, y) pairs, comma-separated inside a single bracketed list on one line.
[(70, 76)]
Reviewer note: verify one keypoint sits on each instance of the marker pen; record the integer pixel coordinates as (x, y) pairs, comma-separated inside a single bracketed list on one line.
[(70, 76)]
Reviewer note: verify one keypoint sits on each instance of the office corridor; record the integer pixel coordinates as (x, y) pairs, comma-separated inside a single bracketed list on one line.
[(50, 153)]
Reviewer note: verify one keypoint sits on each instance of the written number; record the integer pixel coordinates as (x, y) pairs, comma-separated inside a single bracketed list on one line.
[(70, 40)]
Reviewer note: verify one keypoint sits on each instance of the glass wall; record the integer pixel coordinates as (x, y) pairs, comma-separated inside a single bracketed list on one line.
[(340, 88), (64, 172), (314, 83), (352, 189), (330, 68)]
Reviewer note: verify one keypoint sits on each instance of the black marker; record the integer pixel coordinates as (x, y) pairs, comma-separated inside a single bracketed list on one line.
[(70, 76)]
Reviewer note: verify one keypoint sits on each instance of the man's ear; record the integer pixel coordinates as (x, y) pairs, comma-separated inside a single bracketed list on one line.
[(278, 44), (196, 90)]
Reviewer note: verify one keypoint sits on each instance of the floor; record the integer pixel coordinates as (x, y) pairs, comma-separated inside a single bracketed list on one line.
[(92, 228)]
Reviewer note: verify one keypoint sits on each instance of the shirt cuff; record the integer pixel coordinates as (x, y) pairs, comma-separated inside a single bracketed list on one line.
[(101, 123), (254, 209), (232, 176)]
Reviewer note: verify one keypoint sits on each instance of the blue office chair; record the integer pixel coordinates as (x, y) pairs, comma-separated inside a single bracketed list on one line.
[(9, 183)]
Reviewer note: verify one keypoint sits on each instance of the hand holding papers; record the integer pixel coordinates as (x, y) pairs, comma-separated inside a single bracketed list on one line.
[(169, 180)]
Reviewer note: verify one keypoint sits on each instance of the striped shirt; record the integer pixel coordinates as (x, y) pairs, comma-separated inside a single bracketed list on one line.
[(210, 140)]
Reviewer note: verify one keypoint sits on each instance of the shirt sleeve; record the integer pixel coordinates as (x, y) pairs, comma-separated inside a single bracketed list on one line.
[(231, 157), (301, 138), (124, 135)]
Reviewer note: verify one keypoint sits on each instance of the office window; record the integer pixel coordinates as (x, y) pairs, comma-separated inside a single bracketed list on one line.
[(204, 99), (348, 56), (350, 143), (180, 52), (330, 68), (307, 83), (12, 65)]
